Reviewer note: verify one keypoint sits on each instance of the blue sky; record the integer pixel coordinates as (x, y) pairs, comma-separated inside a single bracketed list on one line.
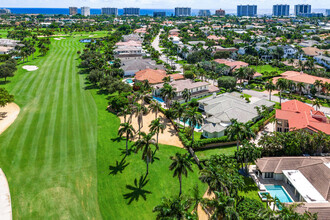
[(153, 4)]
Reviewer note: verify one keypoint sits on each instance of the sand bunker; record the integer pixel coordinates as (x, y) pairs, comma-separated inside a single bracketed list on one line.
[(30, 68), (60, 38), (8, 114)]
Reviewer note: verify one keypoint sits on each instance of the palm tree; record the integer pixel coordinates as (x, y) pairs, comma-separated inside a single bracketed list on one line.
[(139, 112), (155, 107), (126, 128), (318, 84), (144, 144), (155, 127), (186, 94), (195, 118), (167, 93), (300, 87), (180, 165), (239, 131), (269, 86), (281, 84), (317, 103)]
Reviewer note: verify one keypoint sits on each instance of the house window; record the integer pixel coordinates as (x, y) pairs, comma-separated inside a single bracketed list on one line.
[(269, 175), (279, 129), (286, 129)]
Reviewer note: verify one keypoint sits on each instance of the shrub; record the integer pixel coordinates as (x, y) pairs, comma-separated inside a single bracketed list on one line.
[(249, 208)]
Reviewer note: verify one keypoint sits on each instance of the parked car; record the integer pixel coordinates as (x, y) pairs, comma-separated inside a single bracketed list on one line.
[(309, 96)]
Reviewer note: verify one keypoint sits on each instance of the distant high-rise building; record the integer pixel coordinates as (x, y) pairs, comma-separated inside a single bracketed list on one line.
[(281, 10), (85, 11), (204, 13), (302, 9), (246, 10), (73, 10), (4, 11), (182, 11), (311, 15), (159, 13), (109, 11), (132, 11), (327, 12), (220, 12)]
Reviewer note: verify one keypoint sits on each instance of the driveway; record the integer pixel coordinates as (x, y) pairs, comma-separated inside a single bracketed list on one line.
[(163, 57)]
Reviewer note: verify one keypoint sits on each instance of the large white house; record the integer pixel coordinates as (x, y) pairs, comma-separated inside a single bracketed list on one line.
[(219, 110), (197, 89)]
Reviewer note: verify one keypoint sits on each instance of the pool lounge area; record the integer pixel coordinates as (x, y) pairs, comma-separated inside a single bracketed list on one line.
[(277, 191)]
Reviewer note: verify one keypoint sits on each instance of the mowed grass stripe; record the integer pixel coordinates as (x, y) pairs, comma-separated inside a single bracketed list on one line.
[(53, 190), (24, 90), (38, 141), (49, 142), (33, 115), (75, 130), (27, 114)]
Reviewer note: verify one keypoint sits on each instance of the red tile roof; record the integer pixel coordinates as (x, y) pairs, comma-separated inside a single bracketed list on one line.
[(302, 116), (153, 76), (232, 64), (300, 77)]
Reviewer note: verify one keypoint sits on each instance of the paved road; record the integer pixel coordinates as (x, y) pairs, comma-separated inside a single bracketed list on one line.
[(264, 95), (163, 57)]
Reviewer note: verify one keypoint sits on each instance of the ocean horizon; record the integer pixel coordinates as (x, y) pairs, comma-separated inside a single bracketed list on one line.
[(149, 12)]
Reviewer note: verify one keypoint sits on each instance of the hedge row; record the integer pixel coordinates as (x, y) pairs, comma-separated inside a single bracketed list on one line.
[(259, 124)]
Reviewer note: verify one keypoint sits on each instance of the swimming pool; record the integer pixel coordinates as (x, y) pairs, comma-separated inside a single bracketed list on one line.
[(159, 99), (279, 192), (196, 127), (129, 81)]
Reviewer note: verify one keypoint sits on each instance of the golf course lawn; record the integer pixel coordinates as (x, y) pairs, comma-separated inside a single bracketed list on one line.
[(57, 153), (49, 153)]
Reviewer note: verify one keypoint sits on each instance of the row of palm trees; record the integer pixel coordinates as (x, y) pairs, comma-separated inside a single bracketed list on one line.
[(283, 84)]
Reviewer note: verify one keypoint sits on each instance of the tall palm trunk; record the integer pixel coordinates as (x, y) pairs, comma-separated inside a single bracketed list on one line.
[(280, 97), (270, 95), (180, 180), (147, 166), (127, 137)]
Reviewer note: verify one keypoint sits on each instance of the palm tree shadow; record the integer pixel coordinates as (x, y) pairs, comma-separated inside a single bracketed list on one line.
[(137, 190), (131, 149), (119, 167)]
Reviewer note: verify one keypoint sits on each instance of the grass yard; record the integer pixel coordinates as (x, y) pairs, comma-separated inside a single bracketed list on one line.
[(228, 150), (265, 68), (113, 187), (57, 154)]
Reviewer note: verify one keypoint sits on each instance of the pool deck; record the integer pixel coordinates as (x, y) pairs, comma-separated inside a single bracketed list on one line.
[(260, 181)]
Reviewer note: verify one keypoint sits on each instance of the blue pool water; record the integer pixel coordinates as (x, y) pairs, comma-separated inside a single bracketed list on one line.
[(279, 192), (129, 80), (196, 127), (159, 99)]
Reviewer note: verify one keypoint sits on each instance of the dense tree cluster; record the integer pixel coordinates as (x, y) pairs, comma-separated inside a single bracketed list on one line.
[(295, 143), (7, 69)]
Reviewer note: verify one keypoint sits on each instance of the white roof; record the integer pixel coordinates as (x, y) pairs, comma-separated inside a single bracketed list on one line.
[(303, 186), (5, 203)]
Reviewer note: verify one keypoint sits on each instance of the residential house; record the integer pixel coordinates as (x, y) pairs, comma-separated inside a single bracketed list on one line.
[(232, 63), (131, 66), (323, 60), (197, 89), (307, 178), (298, 115), (297, 77), (154, 76), (312, 51), (308, 43), (220, 109), (289, 51)]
